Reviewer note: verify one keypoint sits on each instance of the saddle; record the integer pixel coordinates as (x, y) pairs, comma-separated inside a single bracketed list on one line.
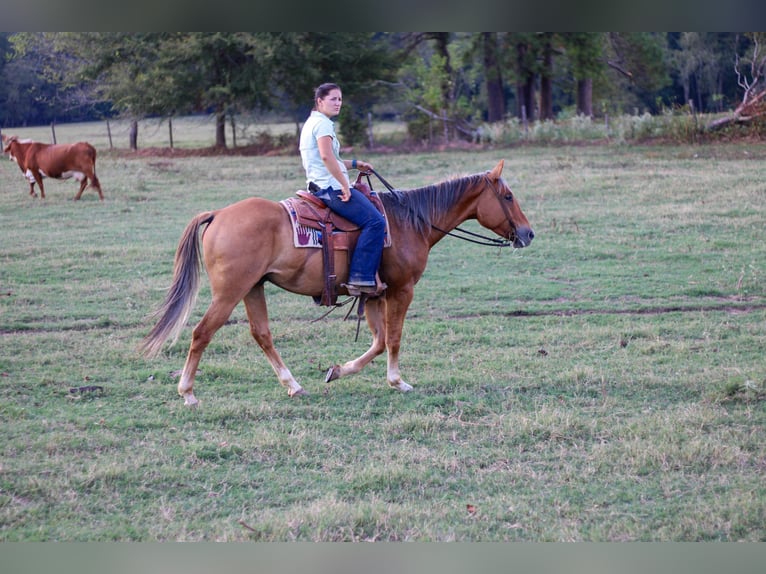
[(338, 234)]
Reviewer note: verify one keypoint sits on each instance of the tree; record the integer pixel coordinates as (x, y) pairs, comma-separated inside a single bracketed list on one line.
[(163, 74), (32, 90), (640, 66), (701, 60), (361, 63), (493, 76), (750, 69), (430, 78), (128, 71), (220, 71), (584, 50), (545, 41), (526, 73)]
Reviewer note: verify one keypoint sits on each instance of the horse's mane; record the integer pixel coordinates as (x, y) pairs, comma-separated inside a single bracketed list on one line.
[(417, 208)]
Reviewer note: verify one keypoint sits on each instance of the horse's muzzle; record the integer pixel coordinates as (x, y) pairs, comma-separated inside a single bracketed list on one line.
[(523, 237)]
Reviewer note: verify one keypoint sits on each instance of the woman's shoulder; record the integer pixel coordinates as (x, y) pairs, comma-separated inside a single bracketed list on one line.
[(320, 124)]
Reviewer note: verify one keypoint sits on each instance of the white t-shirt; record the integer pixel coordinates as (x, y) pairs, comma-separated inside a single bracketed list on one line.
[(318, 125)]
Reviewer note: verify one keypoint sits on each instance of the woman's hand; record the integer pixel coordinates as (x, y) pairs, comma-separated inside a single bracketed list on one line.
[(345, 193)]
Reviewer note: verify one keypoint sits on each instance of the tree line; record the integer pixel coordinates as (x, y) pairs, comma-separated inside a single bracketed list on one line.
[(460, 80)]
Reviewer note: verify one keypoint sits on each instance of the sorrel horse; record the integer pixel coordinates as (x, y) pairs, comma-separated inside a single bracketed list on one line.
[(250, 242)]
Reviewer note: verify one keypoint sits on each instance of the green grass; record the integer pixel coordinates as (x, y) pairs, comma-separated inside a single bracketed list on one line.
[(606, 383)]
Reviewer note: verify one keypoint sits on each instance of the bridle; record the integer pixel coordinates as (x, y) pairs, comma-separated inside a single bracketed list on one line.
[(465, 234)]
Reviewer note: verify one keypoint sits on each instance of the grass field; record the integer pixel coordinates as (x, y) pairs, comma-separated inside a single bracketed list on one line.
[(605, 384)]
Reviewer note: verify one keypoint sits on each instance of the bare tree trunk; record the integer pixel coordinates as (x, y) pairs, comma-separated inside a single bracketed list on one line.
[(494, 79), (585, 97), (220, 128), (546, 84), (133, 135), (525, 86), (745, 112)]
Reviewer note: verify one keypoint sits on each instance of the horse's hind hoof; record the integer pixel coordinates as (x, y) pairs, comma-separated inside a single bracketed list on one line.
[(332, 374), (299, 393)]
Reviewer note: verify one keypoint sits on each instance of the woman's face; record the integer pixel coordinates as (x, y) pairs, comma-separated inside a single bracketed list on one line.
[(330, 104)]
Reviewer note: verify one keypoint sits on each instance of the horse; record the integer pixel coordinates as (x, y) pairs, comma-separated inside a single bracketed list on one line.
[(250, 242)]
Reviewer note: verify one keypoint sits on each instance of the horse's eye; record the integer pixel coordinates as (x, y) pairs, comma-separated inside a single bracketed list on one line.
[(509, 197)]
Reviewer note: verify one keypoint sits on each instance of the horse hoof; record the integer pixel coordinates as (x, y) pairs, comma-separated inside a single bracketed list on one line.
[(332, 374), (191, 401), (402, 386), (298, 393)]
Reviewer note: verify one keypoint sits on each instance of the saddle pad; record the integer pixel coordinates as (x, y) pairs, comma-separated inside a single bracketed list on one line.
[(305, 236)]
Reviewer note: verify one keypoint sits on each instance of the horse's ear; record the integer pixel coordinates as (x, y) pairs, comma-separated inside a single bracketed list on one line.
[(497, 172)]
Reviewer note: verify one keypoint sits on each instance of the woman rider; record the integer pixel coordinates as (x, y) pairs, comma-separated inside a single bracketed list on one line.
[(327, 178)]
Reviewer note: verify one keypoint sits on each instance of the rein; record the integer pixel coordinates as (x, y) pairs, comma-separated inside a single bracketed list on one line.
[(466, 234)]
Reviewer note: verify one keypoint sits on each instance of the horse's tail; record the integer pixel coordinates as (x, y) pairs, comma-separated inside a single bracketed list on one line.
[(182, 294)]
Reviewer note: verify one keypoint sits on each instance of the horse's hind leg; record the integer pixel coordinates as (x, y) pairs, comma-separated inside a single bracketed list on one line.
[(214, 318), (257, 314)]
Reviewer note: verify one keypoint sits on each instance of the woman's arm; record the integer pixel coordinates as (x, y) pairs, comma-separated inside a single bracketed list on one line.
[(324, 144), (362, 166)]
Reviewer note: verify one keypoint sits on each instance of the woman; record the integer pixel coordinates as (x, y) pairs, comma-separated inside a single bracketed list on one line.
[(327, 178)]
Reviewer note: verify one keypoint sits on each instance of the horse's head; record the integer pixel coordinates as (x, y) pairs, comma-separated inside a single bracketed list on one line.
[(497, 209)]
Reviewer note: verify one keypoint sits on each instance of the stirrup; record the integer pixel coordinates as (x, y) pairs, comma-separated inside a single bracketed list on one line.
[(369, 290)]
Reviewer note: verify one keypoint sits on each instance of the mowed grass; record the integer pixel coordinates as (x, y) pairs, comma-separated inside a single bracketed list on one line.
[(605, 384)]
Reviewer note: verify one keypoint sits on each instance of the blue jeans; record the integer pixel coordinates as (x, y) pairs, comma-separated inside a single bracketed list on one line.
[(369, 247)]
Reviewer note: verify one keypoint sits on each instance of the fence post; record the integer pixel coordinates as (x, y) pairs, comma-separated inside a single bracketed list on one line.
[(109, 133), (170, 131), (53, 131)]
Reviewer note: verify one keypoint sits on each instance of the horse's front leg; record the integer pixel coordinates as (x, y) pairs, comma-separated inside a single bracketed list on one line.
[(376, 319), (396, 310), (257, 314), (385, 317)]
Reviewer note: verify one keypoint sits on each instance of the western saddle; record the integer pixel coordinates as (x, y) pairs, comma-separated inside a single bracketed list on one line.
[(338, 235)]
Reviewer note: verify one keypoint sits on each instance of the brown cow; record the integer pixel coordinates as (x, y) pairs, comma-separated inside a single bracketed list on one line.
[(39, 160)]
